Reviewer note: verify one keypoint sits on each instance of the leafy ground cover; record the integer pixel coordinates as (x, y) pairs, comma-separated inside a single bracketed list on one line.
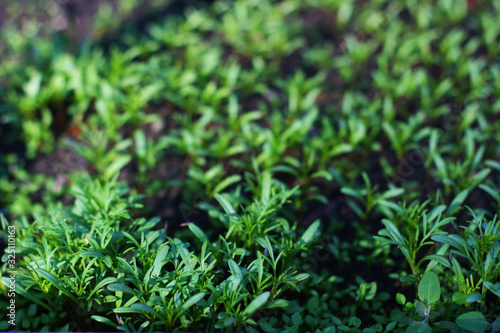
[(257, 166)]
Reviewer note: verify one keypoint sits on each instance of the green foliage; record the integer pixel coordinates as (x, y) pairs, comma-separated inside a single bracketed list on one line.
[(94, 258), (421, 228), (250, 165)]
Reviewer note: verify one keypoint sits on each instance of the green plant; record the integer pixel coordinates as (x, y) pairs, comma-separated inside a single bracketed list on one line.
[(481, 249), (422, 227), (369, 197)]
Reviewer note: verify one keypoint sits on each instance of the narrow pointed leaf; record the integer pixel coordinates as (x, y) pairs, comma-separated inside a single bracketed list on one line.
[(256, 304)]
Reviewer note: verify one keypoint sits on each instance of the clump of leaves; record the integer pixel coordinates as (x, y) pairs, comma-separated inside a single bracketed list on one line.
[(95, 260)]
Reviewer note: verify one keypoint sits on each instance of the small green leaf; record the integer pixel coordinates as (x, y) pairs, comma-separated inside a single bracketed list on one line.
[(422, 309), (121, 287), (440, 259), (352, 192), (394, 232), (408, 279), (235, 269), (473, 321), (159, 260), (418, 327), (391, 326), (393, 192), (459, 298), (355, 321), (454, 240), (144, 308), (128, 309), (140, 144), (429, 289), (118, 163), (494, 288), (226, 183), (266, 186), (104, 320), (435, 212), (257, 303), (192, 301), (108, 261), (198, 232), (101, 284), (336, 320), (474, 297), (228, 208), (480, 176), (457, 201), (296, 319), (401, 299), (308, 236), (277, 303), (323, 174), (299, 277)]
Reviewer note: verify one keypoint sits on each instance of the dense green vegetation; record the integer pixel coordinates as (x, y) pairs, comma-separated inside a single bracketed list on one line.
[(252, 165)]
